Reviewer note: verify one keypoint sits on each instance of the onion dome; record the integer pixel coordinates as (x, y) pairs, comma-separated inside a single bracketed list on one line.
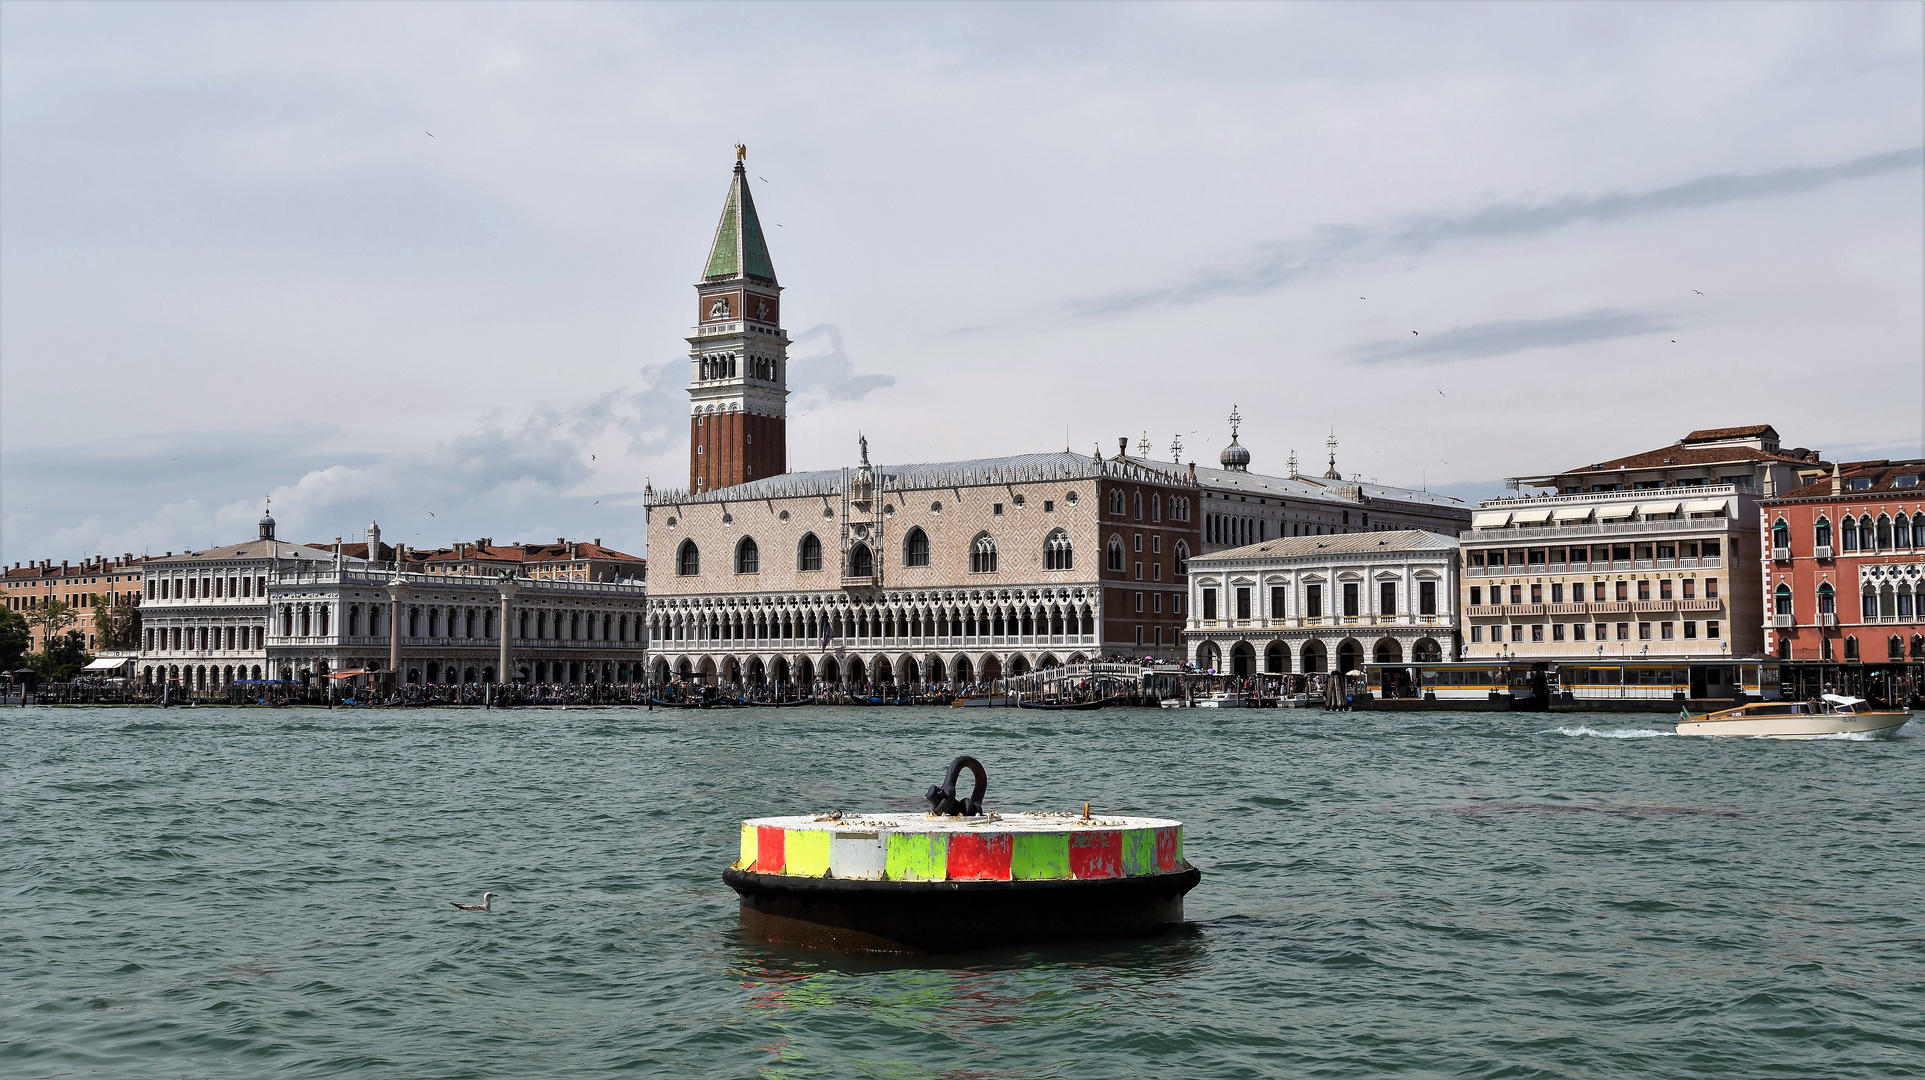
[(1235, 457)]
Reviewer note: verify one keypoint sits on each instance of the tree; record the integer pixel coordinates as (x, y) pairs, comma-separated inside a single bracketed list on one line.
[(117, 626), (63, 657), (15, 637), (51, 617)]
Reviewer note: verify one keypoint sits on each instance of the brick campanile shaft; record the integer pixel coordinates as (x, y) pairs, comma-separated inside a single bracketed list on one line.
[(738, 354)]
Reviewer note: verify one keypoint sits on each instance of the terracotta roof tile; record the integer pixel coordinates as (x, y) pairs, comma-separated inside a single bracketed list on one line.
[(1884, 476)]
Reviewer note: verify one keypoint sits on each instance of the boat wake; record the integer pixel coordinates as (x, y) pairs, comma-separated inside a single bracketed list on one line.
[(1615, 733)]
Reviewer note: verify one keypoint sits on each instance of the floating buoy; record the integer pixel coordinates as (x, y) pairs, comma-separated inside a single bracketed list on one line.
[(958, 877)]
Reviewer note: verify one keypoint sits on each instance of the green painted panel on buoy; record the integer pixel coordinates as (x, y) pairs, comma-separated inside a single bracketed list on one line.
[(920, 856), (1040, 857), (1139, 852), (806, 852), (748, 848)]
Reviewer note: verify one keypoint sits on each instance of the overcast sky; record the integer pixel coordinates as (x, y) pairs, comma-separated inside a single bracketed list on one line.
[(433, 263)]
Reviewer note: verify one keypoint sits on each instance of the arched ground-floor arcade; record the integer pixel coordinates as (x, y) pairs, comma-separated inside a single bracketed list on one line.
[(852, 668), (1307, 652)]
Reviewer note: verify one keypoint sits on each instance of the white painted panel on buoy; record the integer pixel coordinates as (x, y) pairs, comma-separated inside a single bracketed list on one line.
[(858, 856)]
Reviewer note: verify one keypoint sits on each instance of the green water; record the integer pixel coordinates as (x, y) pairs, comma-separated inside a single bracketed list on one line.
[(215, 893)]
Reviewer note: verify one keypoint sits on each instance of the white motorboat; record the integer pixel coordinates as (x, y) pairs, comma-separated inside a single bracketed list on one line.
[(1222, 699), (1830, 716)]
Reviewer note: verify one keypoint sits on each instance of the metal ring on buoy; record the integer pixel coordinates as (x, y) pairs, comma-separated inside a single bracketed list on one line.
[(942, 800)]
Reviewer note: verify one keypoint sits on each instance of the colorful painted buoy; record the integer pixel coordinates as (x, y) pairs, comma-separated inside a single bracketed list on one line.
[(957, 877)]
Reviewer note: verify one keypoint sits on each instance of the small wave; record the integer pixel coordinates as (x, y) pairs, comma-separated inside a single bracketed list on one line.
[(1615, 733)]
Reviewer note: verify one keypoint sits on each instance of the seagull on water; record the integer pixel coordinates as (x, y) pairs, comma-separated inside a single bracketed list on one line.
[(487, 903)]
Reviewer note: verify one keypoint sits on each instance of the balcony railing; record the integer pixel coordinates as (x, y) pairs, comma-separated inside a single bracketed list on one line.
[(1779, 554), (1828, 618), (1782, 622), (1821, 551)]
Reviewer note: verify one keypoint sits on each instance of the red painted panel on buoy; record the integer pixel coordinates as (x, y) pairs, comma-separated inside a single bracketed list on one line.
[(973, 857), (1096, 855), (1168, 853), (769, 857)]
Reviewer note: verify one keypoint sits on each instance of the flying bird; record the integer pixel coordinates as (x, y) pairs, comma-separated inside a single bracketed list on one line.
[(1674, 341), (591, 457), (1700, 292), (487, 903), (1413, 333), (429, 134), (431, 513), (764, 179)]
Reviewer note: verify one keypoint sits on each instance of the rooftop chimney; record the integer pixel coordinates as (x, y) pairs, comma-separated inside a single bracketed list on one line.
[(1123, 447)]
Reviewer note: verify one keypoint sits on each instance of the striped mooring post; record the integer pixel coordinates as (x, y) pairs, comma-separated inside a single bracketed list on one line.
[(958, 877)]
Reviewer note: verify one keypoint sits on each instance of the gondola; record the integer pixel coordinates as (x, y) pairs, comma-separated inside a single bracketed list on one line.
[(1065, 706), (780, 704)]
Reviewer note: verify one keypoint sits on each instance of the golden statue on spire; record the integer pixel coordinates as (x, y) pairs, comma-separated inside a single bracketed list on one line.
[(741, 152)]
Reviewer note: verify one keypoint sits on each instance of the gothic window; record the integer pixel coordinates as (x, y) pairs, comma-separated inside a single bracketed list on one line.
[(1821, 532), (688, 560), (1782, 600), (1057, 553), (1116, 553), (1901, 532), (1182, 557), (810, 555), (1139, 506), (1827, 600), (1847, 535), (1781, 535), (748, 559), (861, 562), (915, 549), (1116, 504), (982, 555), (1868, 605), (1884, 532), (1851, 648), (1865, 534)]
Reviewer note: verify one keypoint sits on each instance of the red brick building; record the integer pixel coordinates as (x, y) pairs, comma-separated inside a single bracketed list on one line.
[(738, 355), (1844, 578)]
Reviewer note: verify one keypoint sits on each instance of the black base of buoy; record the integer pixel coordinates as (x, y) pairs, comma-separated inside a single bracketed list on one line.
[(955, 916)]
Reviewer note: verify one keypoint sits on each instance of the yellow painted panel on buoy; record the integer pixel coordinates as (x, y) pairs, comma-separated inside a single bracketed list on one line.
[(748, 848), (805, 852), (1139, 852), (1040, 857), (918, 856)]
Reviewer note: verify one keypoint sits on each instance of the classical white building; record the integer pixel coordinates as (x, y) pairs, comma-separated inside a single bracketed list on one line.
[(334, 619), (1296, 604), (204, 614)]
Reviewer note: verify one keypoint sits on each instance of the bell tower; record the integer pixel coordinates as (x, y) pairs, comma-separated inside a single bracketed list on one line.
[(738, 354)]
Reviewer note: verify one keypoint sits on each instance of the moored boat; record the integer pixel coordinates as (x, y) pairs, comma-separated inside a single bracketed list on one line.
[(1831, 715)]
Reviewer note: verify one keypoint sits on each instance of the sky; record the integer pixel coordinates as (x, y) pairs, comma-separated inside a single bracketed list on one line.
[(432, 264)]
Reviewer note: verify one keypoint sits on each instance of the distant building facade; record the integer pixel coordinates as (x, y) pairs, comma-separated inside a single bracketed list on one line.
[(84, 587), (1644, 556), (269, 610), (204, 615), (954, 572), (328, 619), (1844, 566), (1310, 605), (1241, 507)]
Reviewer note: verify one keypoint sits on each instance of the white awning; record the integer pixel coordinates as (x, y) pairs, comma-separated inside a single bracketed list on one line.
[(1616, 513), (1490, 519), (1650, 509), (1705, 506), (1572, 513), (1531, 517), (108, 663)]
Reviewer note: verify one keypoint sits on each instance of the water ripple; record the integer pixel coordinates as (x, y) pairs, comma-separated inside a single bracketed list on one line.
[(223, 893)]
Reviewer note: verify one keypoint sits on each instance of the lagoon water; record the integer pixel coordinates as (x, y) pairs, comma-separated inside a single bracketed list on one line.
[(265, 893)]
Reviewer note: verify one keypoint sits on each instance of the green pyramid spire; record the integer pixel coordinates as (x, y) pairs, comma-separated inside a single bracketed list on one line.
[(739, 250)]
